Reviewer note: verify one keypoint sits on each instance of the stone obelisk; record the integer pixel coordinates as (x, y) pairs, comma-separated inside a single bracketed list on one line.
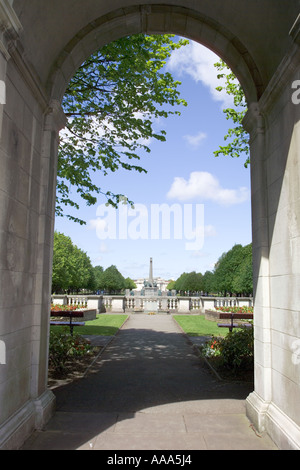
[(151, 274)]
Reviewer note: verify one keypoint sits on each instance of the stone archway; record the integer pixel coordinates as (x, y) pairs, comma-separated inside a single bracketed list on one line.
[(35, 67)]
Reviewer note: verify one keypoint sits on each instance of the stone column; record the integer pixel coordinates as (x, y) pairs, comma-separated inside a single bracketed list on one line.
[(275, 167), (54, 121), (151, 273), (254, 123)]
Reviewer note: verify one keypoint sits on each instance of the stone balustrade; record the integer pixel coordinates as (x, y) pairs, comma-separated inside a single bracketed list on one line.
[(142, 304)]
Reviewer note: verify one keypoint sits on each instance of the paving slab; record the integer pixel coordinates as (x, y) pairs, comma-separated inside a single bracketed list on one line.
[(149, 390)]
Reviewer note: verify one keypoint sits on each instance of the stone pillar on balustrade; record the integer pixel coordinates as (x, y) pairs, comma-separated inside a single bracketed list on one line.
[(118, 304), (96, 303), (138, 304), (164, 304), (184, 305)]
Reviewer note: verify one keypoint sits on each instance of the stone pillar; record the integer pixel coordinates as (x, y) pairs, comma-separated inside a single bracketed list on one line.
[(28, 154), (151, 273), (118, 304), (53, 122), (274, 405), (184, 304), (254, 123)]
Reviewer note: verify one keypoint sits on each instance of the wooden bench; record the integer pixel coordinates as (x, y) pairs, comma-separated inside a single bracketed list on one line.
[(235, 316), (69, 322)]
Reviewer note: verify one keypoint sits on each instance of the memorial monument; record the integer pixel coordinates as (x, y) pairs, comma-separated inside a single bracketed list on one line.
[(150, 291), (150, 286)]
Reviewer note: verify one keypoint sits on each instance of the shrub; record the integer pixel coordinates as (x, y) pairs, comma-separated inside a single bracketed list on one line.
[(62, 347), (234, 351)]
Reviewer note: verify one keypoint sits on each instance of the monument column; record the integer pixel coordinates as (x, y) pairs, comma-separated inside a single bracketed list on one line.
[(151, 273)]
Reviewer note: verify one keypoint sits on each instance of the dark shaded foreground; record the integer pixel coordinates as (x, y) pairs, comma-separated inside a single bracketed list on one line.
[(149, 390)]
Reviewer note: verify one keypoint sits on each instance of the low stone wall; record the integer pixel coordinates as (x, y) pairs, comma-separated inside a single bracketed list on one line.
[(159, 304)]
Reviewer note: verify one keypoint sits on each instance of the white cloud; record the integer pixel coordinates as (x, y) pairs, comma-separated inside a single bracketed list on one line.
[(195, 140), (100, 225), (204, 186), (98, 131), (210, 231), (198, 62)]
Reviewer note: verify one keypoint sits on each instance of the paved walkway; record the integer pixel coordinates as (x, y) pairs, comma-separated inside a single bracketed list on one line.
[(148, 391)]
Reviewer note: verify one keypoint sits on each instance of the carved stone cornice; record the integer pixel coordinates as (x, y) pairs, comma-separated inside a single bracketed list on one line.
[(55, 118), (9, 21), (10, 27), (253, 121), (11, 48)]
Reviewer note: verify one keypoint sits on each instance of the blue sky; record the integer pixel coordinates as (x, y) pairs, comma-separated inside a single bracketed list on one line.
[(181, 171)]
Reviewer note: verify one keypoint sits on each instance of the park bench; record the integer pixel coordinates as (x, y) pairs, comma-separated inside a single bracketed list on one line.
[(235, 316), (68, 322)]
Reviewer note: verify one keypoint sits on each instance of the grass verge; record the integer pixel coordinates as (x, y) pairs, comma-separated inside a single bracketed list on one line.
[(197, 325), (104, 324)]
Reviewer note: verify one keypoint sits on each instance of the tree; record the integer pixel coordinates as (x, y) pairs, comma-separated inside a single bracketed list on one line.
[(62, 266), (180, 283), (208, 278), (171, 285), (129, 284), (243, 281), (98, 272), (227, 268), (189, 282), (233, 271), (112, 280), (83, 273), (194, 282), (111, 104), (72, 268), (239, 143)]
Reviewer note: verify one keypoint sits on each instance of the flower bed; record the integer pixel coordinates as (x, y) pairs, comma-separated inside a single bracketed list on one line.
[(75, 311), (245, 309), (67, 313), (231, 357), (240, 313)]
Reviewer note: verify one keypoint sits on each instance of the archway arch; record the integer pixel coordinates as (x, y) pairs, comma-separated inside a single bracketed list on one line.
[(156, 19), (40, 49)]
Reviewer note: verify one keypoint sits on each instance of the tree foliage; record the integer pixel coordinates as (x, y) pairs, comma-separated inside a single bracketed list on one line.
[(243, 280), (112, 280), (232, 274), (227, 268), (129, 283), (237, 137), (72, 269), (208, 282), (189, 282), (111, 104)]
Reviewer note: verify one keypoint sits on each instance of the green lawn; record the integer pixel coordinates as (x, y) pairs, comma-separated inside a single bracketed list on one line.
[(197, 325), (105, 325)]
